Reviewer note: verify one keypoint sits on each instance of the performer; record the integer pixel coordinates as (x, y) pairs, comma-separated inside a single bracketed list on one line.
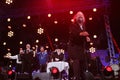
[(43, 59), (27, 59), (18, 60), (57, 55), (77, 38)]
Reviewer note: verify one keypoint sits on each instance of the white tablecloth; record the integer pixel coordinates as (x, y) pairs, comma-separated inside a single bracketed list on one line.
[(61, 65)]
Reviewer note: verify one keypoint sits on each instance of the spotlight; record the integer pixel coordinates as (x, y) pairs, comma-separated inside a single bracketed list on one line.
[(54, 72), (10, 72), (108, 71)]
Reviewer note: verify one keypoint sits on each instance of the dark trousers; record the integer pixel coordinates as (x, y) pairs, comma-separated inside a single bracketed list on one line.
[(78, 69), (19, 68), (43, 67)]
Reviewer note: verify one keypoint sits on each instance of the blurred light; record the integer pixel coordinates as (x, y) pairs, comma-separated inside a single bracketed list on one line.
[(36, 46), (46, 47), (71, 12), (91, 43), (9, 1), (109, 68), (28, 17), (37, 41), (21, 42), (8, 19), (10, 66), (8, 49), (10, 33), (9, 27), (8, 54), (10, 72), (108, 71), (94, 9), (55, 22), (49, 15), (90, 18), (40, 31), (72, 20), (24, 25), (56, 39), (92, 49), (95, 36), (4, 43), (55, 72)]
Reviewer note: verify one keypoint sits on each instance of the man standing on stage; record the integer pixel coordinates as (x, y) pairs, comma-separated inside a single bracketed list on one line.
[(27, 59), (18, 60), (43, 59), (77, 38)]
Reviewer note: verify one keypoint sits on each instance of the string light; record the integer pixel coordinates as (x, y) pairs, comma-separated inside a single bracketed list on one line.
[(9, 27), (8, 19), (37, 41), (28, 17), (49, 15), (21, 42), (56, 39), (94, 9), (4, 43), (71, 12), (90, 18), (95, 36), (24, 25), (55, 22), (72, 20)]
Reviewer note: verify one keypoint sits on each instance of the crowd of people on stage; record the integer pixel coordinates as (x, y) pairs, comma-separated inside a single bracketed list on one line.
[(34, 59), (37, 59)]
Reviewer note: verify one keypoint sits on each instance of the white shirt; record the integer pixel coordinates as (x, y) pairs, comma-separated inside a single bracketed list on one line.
[(15, 57)]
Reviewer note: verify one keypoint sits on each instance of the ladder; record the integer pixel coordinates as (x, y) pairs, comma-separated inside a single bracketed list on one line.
[(109, 40)]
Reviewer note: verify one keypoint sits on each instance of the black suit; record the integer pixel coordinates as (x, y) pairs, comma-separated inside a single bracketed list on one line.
[(76, 49)]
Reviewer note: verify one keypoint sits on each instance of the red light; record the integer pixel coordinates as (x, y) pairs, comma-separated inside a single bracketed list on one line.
[(54, 70), (109, 69), (10, 72)]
